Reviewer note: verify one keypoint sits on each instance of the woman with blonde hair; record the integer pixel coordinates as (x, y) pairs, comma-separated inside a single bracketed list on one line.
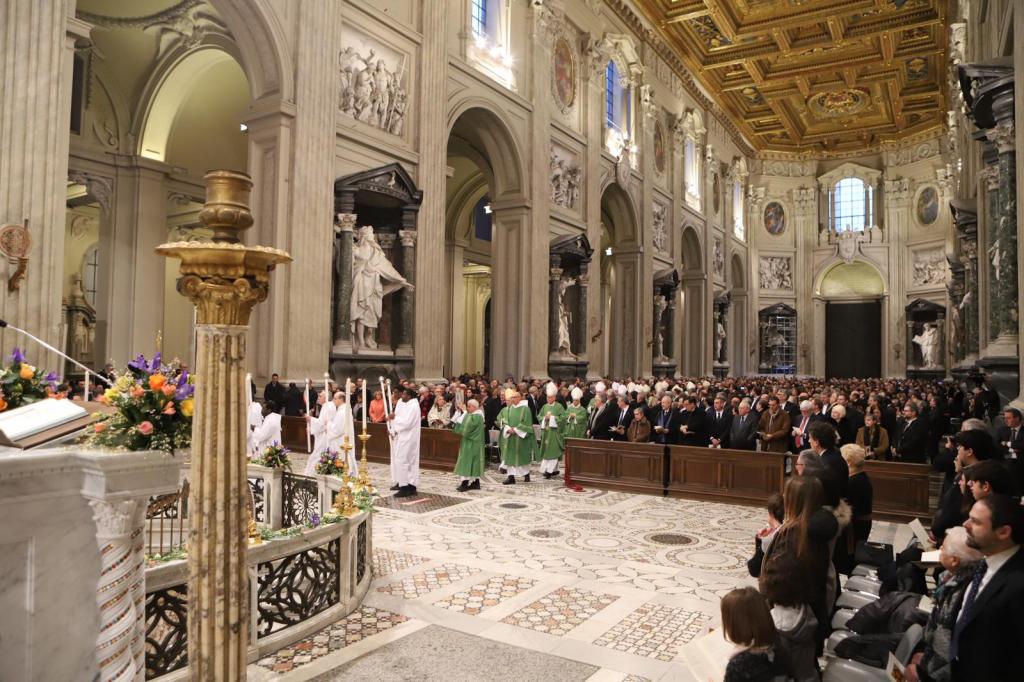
[(858, 494)]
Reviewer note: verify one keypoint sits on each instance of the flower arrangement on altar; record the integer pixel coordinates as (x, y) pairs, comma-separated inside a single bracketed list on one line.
[(274, 456), (153, 408), (22, 384), (331, 464)]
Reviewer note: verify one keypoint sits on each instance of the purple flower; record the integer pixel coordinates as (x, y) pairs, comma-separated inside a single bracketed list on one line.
[(17, 356), (314, 519), (184, 392), (139, 364), (51, 378), (155, 366)]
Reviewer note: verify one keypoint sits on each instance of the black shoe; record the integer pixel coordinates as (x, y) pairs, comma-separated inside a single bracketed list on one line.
[(405, 491), (463, 487), (395, 487), (511, 480), (526, 478), (413, 489), (475, 485), (546, 475), (556, 473), (502, 470)]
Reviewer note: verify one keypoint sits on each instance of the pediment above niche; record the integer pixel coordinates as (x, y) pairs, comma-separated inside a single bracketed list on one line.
[(849, 170)]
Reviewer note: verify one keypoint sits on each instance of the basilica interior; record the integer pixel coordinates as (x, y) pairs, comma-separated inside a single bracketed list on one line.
[(568, 190)]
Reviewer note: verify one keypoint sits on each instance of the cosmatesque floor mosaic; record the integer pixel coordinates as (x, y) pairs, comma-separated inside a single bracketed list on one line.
[(620, 581)]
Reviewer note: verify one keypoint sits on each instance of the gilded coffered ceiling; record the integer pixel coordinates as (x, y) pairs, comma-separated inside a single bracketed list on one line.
[(822, 77)]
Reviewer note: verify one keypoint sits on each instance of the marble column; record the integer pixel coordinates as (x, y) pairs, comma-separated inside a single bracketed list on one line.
[(583, 281), (343, 228), (121, 592), (1003, 312), (37, 50), (224, 280), (408, 317), (554, 276)]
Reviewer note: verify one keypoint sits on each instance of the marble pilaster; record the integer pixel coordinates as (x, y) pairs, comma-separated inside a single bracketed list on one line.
[(408, 303), (343, 228), (583, 283)]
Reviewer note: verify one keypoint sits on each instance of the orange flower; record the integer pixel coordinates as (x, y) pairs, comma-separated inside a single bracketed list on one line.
[(169, 410), (27, 371), (169, 389), (156, 381), (99, 427), (3, 404), (138, 392)]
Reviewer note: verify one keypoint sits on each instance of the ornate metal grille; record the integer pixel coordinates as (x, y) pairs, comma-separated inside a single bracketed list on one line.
[(166, 630), (165, 521), (300, 497), (257, 488), (297, 587), (360, 552)]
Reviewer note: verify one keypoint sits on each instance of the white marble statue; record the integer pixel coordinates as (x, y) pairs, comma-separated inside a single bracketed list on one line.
[(565, 181), (373, 278), (564, 317), (719, 339), (930, 343)]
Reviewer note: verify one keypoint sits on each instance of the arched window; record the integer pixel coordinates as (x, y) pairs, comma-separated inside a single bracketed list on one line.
[(90, 274), (852, 203), (617, 101), (484, 18)]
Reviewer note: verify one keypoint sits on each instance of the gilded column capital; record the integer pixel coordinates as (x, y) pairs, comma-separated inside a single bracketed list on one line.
[(345, 222), (554, 274)]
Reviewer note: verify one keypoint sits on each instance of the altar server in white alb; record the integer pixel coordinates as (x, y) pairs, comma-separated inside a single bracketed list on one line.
[(255, 421), (318, 429), (267, 433), (340, 428), (404, 427)]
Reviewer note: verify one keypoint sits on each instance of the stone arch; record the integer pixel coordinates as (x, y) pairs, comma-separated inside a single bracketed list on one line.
[(737, 273), (859, 278), (693, 254), (696, 346), (489, 134), (617, 207), (262, 47), (736, 331), (621, 268)]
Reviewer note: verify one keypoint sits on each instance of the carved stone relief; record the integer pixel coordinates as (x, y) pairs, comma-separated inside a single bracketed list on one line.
[(372, 85), (775, 272), (719, 258), (930, 268), (659, 235), (566, 178)]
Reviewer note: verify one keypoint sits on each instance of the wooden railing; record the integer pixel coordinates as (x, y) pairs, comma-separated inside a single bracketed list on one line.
[(900, 490)]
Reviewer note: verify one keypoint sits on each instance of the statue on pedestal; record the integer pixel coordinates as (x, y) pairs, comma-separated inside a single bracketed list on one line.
[(373, 278), (930, 343), (719, 339), (564, 317)]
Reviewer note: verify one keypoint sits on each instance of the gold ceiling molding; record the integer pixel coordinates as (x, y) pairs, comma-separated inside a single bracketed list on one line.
[(828, 78)]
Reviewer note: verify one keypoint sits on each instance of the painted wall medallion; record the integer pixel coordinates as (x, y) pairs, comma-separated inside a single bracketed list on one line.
[(659, 147), (716, 193), (563, 77), (774, 218), (927, 205)]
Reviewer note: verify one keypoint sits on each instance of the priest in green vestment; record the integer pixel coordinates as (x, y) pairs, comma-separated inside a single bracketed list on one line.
[(552, 427), (517, 438), (576, 416), (470, 464)]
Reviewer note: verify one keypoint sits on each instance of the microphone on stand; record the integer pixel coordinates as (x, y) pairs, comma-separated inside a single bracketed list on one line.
[(76, 363)]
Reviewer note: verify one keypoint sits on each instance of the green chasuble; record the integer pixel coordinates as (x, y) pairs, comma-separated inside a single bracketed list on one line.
[(551, 441), (518, 451), (577, 429), (499, 424), (471, 448)]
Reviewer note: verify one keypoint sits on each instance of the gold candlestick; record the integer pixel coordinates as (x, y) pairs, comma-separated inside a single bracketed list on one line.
[(254, 532), (346, 447), (364, 467)]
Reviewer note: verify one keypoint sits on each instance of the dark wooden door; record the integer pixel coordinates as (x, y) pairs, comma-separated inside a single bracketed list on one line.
[(853, 339)]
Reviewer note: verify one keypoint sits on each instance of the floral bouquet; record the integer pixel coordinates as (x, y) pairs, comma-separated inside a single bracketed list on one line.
[(22, 384), (274, 456), (153, 408), (330, 464)]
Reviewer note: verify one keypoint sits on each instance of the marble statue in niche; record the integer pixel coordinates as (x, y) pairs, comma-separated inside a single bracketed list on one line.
[(660, 306), (929, 268), (373, 278), (659, 235), (564, 317), (566, 177), (775, 272), (719, 338), (371, 92), (929, 340)]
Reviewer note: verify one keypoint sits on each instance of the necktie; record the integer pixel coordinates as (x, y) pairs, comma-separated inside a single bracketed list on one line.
[(965, 608), (718, 416)]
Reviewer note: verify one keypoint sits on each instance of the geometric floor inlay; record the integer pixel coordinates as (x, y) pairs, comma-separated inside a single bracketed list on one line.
[(654, 631), (670, 539), (481, 597), (559, 612), (421, 503), (386, 561), (360, 624), (423, 583)]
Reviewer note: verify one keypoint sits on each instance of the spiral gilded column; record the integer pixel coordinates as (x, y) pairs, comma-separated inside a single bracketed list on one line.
[(224, 279), (120, 594)]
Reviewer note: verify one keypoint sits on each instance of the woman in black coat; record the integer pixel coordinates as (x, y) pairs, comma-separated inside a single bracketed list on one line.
[(859, 494)]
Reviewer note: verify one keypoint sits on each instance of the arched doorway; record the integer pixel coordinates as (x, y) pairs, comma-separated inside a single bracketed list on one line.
[(850, 306), (485, 259), (739, 355), (696, 343), (621, 266)]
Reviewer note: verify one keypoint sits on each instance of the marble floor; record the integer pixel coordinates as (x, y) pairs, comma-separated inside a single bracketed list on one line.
[(607, 586)]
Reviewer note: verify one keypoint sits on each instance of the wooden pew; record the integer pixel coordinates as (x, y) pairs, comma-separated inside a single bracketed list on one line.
[(900, 490), (736, 476), (611, 465)]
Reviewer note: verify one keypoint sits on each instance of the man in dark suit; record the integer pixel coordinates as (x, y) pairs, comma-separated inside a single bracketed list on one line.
[(273, 394), (719, 422), (743, 429), (623, 416), (1010, 438), (602, 419), (821, 436), (790, 405), (989, 630), (664, 422), (972, 446), (912, 443), (693, 424), (801, 424)]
